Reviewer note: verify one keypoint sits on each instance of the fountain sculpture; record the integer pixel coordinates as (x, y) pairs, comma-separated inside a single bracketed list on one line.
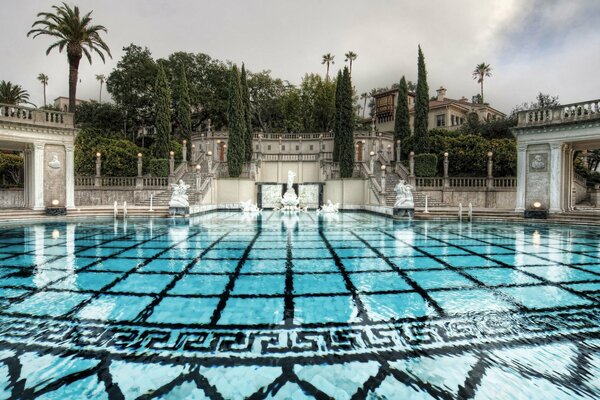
[(329, 208), (290, 201), (249, 207), (405, 205), (179, 204)]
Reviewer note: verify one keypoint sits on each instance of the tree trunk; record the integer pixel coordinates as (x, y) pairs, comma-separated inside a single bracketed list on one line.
[(481, 90), (74, 56), (100, 96), (44, 95)]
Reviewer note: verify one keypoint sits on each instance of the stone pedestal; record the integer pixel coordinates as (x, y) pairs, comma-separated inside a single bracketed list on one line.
[(179, 211), (407, 212)]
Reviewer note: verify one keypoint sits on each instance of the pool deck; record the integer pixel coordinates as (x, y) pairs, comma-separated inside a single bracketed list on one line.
[(585, 217)]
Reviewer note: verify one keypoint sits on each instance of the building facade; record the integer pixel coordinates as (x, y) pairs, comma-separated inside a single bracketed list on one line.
[(444, 112)]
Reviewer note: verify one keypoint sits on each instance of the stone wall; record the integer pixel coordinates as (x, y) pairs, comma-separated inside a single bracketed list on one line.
[(500, 198), (277, 171), (54, 175), (538, 175), (12, 198), (107, 197)]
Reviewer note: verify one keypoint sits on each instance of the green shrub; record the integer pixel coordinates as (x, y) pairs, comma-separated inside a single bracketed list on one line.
[(159, 167), (426, 164), (11, 170), (119, 156)]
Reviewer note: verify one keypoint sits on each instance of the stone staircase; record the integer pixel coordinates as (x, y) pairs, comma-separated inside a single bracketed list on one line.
[(391, 180), (162, 198)]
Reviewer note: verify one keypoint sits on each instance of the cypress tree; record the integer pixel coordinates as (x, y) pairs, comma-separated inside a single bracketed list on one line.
[(162, 101), (346, 127), (247, 115), (421, 107), (336, 121), (236, 125), (402, 121), (184, 113)]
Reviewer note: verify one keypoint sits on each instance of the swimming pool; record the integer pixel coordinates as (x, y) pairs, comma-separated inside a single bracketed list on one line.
[(291, 307)]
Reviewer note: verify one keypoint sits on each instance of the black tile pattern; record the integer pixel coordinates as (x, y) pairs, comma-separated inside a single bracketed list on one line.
[(295, 293)]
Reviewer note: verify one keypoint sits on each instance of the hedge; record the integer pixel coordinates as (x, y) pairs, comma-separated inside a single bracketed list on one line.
[(467, 154), (159, 167), (11, 170), (426, 164)]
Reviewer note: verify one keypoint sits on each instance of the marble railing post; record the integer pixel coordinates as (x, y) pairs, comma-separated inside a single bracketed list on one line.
[(398, 149), (209, 160), (372, 162), (411, 168), (98, 177), (198, 177), (490, 170), (171, 167), (383, 178), (446, 164), (184, 151), (139, 180)]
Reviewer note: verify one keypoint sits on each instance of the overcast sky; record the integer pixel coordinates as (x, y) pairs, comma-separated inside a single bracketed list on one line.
[(532, 45)]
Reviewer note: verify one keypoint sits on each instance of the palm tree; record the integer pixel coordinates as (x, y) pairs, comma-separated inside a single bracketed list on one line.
[(101, 79), (482, 70), (43, 78), (350, 56), (364, 96), (328, 59), (13, 94), (77, 34)]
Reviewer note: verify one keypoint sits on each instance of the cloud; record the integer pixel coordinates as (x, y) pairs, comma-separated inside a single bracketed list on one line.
[(532, 45)]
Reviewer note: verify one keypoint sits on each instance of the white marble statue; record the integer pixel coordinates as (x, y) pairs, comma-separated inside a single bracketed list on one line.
[(329, 207), (404, 197), (179, 198), (290, 182), (290, 200), (249, 207)]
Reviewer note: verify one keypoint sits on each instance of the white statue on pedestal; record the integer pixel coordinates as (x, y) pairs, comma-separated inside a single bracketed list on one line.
[(290, 199), (249, 207), (329, 207), (404, 197), (179, 198)]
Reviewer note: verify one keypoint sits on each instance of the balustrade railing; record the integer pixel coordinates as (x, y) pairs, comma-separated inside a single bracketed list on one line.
[(290, 157), (468, 182), (84, 181), (429, 182), (117, 181), (560, 114), (465, 182), (35, 116), (579, 179), (508, 183), (155, 181)]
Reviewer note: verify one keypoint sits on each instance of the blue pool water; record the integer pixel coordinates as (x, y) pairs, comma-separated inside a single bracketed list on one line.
[(357, 306)]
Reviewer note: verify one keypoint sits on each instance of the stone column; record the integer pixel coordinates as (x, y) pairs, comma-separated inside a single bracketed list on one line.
[(69, 176), (27, 176), (139, 180), (411, 168), (490, 170), (209, 160), (194, 152), (184, 151), (38, 173), (446, 180), (372, 162), (398, 149), (171, 167), (555, 177), (198, 177), (383, 178), (521, 177), (98, 178)]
